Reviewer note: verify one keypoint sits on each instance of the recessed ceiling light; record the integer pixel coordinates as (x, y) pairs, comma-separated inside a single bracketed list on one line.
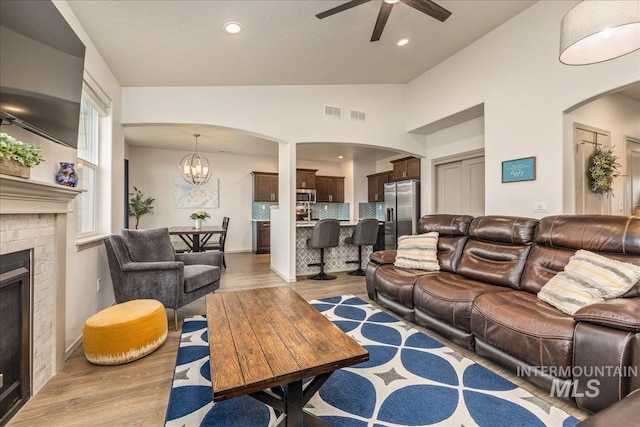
[(341, 157), (232, 27), (404, 41)]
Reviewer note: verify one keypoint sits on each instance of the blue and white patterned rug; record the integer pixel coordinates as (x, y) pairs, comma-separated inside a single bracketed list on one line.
[(410, 380)]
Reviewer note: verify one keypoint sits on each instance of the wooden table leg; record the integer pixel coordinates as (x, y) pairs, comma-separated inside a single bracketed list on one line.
[(293, 404)]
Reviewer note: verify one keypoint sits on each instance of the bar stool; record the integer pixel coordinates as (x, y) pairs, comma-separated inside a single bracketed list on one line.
[(364, 233), (325, 234)]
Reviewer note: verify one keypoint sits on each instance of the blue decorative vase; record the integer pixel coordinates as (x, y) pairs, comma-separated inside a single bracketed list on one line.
[(67, 175)]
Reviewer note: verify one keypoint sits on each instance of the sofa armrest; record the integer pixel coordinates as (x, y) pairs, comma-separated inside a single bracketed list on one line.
[(618, 313), (383, 257), (132, 267), (206, 258), (623, 412)]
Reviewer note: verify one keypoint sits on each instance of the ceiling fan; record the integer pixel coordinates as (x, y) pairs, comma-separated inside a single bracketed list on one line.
[(425, 6)]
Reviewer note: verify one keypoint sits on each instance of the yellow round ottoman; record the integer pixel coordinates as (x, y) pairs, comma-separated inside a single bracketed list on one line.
[(124, 332)]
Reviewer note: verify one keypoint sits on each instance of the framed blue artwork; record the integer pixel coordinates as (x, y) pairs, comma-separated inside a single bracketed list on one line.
[(519, 170)]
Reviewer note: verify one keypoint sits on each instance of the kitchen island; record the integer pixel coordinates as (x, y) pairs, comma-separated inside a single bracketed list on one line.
[(335, 258)]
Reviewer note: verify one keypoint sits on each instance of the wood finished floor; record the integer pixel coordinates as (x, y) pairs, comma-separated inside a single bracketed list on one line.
[(136, 394)]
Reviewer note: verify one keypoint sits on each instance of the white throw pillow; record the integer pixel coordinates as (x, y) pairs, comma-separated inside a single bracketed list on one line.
[(588, 278), (418, 252)]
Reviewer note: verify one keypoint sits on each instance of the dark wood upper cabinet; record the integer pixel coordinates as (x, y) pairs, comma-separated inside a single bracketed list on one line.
[(406, 168), (329, 189), (376, 185), (306, 178), (265, 186)]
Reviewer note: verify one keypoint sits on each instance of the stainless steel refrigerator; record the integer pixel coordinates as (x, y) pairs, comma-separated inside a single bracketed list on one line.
[(402, 202)]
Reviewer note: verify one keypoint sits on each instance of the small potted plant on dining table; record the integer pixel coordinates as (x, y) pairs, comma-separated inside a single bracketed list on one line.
[(199, 216)]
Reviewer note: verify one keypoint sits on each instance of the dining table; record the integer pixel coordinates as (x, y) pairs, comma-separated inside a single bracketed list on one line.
[(196, 239)]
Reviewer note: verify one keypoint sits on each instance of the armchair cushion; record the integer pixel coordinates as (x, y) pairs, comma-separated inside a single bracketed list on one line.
[(150, 245), (197, 276)]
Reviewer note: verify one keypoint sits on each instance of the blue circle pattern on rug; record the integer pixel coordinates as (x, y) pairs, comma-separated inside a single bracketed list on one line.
[(409, 380)]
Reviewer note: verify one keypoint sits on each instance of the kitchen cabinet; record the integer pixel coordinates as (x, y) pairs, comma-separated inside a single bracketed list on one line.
[(329, 189), (376, 185), (406, 168), (261, 237), (265, 186), (306, 178)]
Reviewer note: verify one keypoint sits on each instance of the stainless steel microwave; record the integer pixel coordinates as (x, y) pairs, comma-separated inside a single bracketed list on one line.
[(305, 195)]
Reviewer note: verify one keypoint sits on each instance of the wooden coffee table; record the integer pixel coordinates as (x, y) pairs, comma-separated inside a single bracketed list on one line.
[(264, 342)]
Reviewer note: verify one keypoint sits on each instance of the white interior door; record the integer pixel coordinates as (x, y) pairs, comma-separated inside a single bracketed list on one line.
[(460, 187), (585, 139)]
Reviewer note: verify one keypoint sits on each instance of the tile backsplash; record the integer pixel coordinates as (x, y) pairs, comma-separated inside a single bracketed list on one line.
[(261, 211), (330, 210), (371, 210)]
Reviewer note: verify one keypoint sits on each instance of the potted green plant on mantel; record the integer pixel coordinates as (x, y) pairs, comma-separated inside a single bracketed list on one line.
[(17, 158), (603, 169)]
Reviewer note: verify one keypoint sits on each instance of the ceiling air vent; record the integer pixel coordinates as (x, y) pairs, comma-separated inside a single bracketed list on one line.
[(331, 111), (358, 116)]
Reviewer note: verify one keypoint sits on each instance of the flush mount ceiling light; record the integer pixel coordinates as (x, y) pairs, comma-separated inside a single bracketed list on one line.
[(194, 168), (403, 42), (596, 31), (232, 27)]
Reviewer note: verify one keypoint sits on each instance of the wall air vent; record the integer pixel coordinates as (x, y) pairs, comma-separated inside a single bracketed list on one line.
[(332, 111), (358, 116)]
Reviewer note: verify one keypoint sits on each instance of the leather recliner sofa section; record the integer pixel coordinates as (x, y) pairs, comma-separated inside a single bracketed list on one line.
[(484, 299)]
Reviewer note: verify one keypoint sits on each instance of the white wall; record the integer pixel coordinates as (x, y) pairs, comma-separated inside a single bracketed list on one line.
[(462, 138), (620, 116), (87, 264), (152, 171), (515, 72), (280, 113)]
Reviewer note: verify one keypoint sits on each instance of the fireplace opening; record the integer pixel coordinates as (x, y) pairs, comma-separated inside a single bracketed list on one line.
[(15, 332)]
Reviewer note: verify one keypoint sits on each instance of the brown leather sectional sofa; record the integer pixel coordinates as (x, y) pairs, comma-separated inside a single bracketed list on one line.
[(484, 299)]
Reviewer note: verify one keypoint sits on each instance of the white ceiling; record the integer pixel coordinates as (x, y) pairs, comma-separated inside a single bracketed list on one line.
[(181, 43)]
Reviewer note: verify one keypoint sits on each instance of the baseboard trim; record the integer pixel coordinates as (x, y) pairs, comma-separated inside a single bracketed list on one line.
[(72, 348), (282, 276)]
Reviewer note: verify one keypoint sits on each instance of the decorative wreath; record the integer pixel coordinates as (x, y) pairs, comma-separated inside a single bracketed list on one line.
[(603, 169)]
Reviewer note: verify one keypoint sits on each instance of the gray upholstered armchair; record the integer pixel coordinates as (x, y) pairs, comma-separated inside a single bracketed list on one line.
[(144, 265)]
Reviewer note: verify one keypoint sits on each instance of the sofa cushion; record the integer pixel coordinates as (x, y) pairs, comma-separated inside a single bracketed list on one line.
[(518, 323), (452, 235), (397, 283), (418, 252), (588, 278), (448, 297), (198, 275), (152, 245), (497, 249), (558, 237)]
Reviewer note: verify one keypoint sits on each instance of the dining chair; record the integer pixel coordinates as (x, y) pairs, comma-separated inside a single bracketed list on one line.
[(219, 245)]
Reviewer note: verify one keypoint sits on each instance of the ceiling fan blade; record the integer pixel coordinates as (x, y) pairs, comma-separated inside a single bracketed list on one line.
[(342, 7), (430, 8), (383, 15)]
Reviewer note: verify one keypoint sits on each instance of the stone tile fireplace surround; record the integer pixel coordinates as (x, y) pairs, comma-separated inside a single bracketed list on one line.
[(33, 216)]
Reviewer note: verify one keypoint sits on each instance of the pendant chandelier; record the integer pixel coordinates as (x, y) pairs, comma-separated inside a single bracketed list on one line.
[(195, 168)]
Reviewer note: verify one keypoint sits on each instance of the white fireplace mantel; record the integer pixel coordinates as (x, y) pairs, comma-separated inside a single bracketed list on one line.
[(26, 196)]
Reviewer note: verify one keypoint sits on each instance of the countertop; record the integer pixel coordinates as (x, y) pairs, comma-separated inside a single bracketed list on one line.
[(343, 223)]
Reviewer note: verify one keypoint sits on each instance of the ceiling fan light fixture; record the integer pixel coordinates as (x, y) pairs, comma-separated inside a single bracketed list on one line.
[(403, 42), (232, 27), (597, 31), (391, 1)]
